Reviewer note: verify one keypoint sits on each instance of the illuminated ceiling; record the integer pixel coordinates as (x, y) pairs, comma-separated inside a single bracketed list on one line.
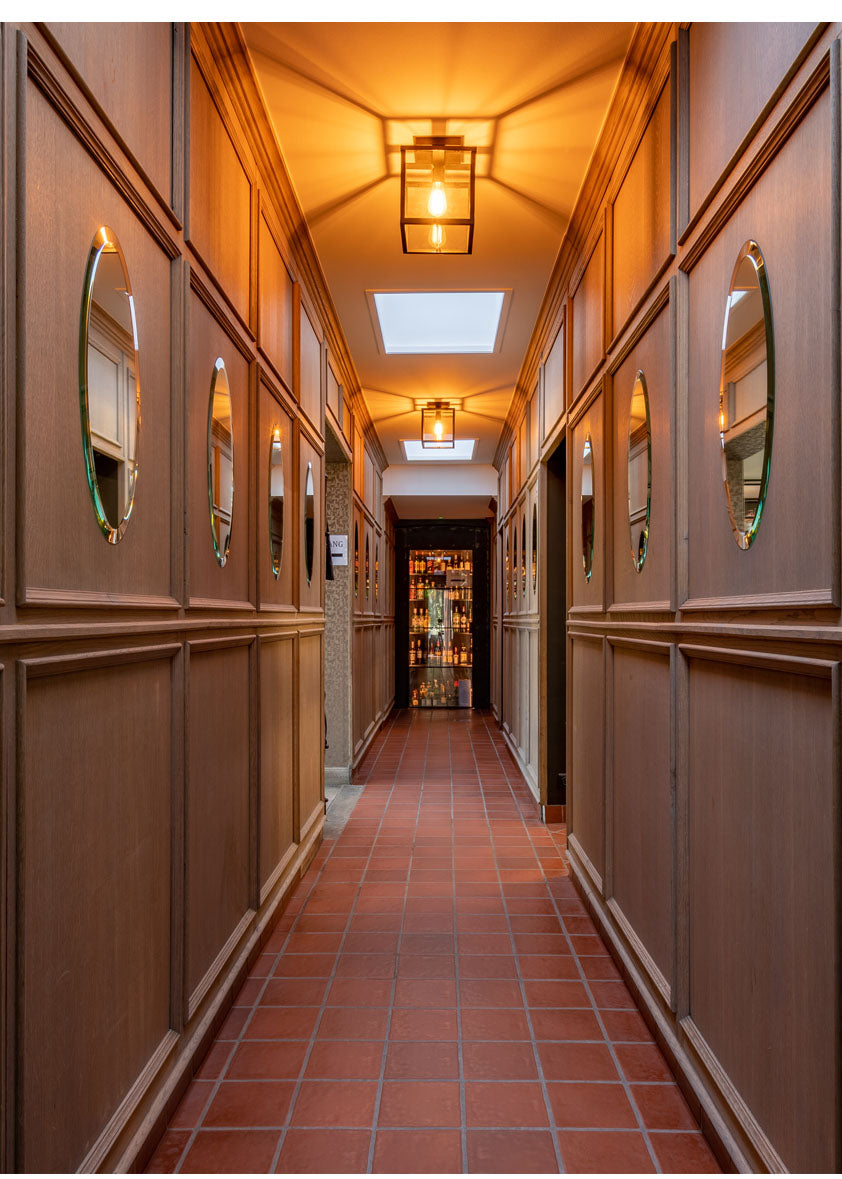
[(344, 97)]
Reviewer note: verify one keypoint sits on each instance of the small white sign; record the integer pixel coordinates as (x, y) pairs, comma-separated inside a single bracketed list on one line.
[(339, 548)]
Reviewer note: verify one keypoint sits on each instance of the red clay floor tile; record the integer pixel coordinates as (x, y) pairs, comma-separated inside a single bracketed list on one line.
[(324, 1151), (225, 1151), (421, 1152), (420, 1103), (604, 1152), (683, 1153), (511, 1152)]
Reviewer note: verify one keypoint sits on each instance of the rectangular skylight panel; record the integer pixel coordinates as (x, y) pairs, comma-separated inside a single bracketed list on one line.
[(462, 449), (438, 321)]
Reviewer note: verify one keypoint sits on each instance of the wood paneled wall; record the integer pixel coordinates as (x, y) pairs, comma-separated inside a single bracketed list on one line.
[(162, 717), (703, 692)]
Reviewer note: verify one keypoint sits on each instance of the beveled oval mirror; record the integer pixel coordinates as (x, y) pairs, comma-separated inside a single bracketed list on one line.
[(523, 556), (109, 385), (356, 560), (309, 523), (514, 563), (367, 571), (276, 500), (508, 570), (587, 508), (640, 471), (377, 573), (220, 461), (747, 393), (534, 548)]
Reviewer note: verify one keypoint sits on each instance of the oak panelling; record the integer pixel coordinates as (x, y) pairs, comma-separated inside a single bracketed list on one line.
[(218, 826), (554, 374), (586, 789), (274, 591), (64, 557), (641, 227), (211, 584), (734, 69), (310, 730), (310, 594), (589, 595), (334, 393), (359, 463), (136, 97), (587, 313), (94, 893), (277, 709), (310, 370), (782, 566), (534, 411), (650, 586), (533, 696), (642, 797), (763, 975), (274, 302), (220, 197)]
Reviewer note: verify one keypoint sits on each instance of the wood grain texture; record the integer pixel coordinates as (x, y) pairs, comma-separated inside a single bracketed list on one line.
[(758, 901), (310, 730), (274, 302), (94, 946), (587, 313), (136, 98), (641, 216), (786, 232), (310, 371), (586, 791), (277, 738), (554, 383), (220, 197), (61, 546), (217, 808)]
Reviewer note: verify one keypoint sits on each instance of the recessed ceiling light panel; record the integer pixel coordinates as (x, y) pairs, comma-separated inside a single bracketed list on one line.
[(462, 451), (425, 322)]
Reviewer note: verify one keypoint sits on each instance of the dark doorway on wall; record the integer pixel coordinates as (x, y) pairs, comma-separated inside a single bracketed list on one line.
[(472, 536), (556, 573)]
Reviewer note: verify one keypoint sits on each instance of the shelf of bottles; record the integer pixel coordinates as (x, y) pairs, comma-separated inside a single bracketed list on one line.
[(440, 628)]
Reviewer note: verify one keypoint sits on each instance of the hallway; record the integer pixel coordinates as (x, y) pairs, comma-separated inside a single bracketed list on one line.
[(434, 997)]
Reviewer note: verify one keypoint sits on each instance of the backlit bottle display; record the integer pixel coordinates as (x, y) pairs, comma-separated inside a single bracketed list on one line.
[(440, 628)]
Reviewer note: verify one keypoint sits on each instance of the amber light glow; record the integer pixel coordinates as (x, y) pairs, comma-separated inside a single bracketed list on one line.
[(438, 177)]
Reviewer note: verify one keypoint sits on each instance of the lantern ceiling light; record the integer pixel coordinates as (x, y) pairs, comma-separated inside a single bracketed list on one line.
[(438, 426), (438, 179)]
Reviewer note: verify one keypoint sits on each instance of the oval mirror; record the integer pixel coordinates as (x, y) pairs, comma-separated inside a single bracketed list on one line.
[(109, 385), (534, 548), (587, 508), (356, 560), (367, 571), (514, 564), (747, 393), (523, 556), (276, 500), (377, 573), (309, 523), (508, 570), (220, 461), (640, 471)]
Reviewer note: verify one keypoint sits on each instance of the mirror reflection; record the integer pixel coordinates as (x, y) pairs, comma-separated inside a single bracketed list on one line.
[(508, 570), (587, 508), (640, 471), (376, 572), (747, 393), (109, 392), (514, 565), (309, 523), (367, 571), (534, 547), (220, 461), (276, 500), (356, 560), (523, 556)]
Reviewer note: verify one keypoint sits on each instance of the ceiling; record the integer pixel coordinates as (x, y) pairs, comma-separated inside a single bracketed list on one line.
[(344, 97)]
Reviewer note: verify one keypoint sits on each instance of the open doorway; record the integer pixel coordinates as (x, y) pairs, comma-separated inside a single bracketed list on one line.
[(338, 752)]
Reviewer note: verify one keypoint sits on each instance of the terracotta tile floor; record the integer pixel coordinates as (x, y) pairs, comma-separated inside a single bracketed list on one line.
[(435, 997)]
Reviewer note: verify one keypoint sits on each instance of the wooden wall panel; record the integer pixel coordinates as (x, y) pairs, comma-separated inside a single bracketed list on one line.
[(588, 594), (274, 302), (277, 738), (310, 594), (272, 415), (65, 556), (651, 356), (641, 233), (310, 371), (334, 396), (764, 985), (554, 383), (310, 728), (209, 581), (94, 879), (642, 801), (587, 812), (733, 72), (534, 426), (787, 232), (137, 96), (218, 827), (219, 227), (587, 312)]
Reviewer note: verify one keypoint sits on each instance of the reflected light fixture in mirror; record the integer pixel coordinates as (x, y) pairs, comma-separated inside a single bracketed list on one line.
[(747, 393), (640, 471), (367, 570), (309, 523), (220, 462), (276, 500), (588, 515), (523, 556), (534, 548), (356, 560), (109, 385)]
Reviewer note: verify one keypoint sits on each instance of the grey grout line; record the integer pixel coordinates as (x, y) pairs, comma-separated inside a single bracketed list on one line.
[(387, 1038)]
